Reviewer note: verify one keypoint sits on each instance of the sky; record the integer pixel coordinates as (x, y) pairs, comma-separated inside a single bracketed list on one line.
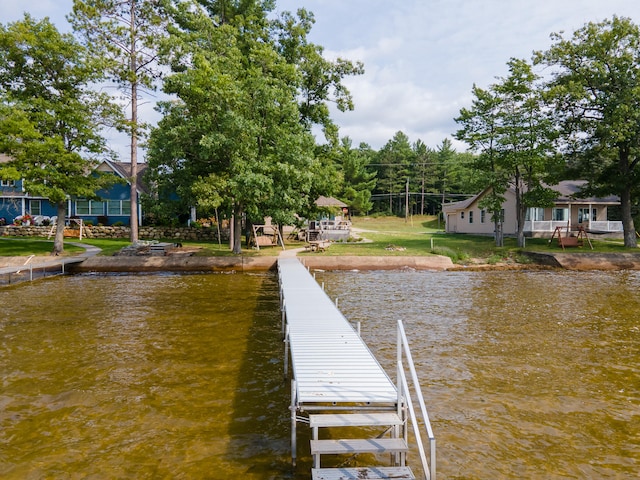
[(421, 57)]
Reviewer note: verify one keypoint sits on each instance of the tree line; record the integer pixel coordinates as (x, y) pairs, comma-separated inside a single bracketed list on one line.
[(245, 91)]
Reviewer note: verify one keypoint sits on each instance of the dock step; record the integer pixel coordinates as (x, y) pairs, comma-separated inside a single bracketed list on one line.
[(354, 420), (359, 473), (355, 445)]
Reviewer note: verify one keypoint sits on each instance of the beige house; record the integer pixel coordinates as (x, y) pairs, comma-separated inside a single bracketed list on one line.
[(569, 212)]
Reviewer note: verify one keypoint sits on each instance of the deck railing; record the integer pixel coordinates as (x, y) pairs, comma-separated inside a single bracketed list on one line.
[(404, 397), (550, 225)]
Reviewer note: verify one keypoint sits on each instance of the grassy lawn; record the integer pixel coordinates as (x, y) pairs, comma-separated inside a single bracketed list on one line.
[(422, 235), (16, 247), (419, 235)]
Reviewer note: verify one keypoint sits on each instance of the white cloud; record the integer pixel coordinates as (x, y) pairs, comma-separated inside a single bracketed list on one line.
[(421, 57)]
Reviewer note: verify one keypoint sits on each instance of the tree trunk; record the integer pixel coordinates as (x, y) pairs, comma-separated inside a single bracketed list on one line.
[(133, 217), (497, 226), (628, 226), (58, 241), (237, 229), (519, 210)]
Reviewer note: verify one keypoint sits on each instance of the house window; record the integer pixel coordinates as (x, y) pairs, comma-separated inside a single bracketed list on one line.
[(462, 215), (535, 214), (89, 207), (119, 207), (7, 183), (583, 215), (483, 214), (560, 214), (471, 217), (35, 207)]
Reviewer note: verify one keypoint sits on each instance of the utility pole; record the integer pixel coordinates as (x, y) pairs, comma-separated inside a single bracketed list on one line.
[(406, 202)]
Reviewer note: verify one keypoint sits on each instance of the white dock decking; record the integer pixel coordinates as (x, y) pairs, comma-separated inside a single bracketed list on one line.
[(337, 383), (330, 361)]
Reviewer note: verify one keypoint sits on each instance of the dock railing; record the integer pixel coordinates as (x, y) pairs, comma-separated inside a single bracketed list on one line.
[(404, 397), (28, 271)]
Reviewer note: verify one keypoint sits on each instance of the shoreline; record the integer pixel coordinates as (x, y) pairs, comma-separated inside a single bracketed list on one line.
[(563, 261)]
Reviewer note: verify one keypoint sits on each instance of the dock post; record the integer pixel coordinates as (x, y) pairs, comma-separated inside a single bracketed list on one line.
[(286, 353), (294, 445)]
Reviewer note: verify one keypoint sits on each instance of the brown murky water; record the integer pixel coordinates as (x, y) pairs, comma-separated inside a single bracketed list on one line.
[(526, 375)]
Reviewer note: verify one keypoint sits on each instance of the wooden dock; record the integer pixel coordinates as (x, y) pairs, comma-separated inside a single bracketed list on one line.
[(336, 382)]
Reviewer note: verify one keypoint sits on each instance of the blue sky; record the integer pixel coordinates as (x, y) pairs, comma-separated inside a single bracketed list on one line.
[(421, 57)]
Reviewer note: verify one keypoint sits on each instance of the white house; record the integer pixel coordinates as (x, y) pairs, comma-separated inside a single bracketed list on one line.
[(569, 212)]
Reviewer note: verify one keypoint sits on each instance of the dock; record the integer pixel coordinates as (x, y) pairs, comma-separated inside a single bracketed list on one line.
[(336, 382)]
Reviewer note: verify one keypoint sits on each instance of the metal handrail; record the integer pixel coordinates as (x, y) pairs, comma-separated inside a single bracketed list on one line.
[(429, 468)]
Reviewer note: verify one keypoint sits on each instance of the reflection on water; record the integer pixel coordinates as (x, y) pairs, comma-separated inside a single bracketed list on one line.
[(526, 375), (143, 377)]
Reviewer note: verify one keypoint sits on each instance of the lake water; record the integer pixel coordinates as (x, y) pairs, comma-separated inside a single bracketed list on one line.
[(525, 374)]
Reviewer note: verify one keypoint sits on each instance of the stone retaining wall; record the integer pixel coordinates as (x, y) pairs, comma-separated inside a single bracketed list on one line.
[(145, 233)]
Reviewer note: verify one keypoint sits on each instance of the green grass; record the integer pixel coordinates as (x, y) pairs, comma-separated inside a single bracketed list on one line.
[(16, 247), (418, 235), (109, 246), (421, 235)]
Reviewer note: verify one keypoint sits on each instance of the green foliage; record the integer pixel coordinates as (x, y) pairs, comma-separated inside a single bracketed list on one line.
[(393, 169), (508, 128), (358, 182), (248, 90), (320, 79), (122, 38), (234, 133), (595, 96), (50, 118)]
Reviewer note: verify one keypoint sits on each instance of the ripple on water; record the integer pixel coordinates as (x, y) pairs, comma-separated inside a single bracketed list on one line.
[(526, 374)]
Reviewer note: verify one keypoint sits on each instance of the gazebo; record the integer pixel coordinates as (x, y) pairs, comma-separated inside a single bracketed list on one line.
[(337, 229), (329, 202)]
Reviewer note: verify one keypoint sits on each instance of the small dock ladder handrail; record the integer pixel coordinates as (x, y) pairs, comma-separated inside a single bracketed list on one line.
[(429, 468)]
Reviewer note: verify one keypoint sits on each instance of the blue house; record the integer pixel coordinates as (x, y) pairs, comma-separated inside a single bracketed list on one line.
[(114, 204)]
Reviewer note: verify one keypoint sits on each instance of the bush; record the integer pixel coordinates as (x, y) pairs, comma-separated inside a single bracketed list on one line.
[(455, 257), (495, 258)]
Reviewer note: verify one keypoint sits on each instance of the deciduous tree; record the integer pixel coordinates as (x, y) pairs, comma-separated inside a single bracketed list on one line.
[(50, 117), (509, 123), (595, 94), (235, 125)]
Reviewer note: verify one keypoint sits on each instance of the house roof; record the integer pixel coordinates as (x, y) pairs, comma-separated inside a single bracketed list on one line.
[(568, 192), (123, 170), (462, 204), (329, 202)]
